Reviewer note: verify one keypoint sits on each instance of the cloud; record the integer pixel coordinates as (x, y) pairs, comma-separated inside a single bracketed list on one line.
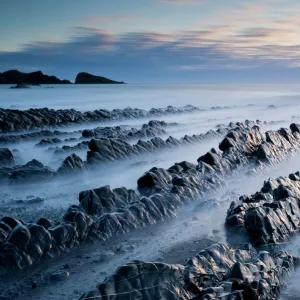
[(181, 1), (241, 40)]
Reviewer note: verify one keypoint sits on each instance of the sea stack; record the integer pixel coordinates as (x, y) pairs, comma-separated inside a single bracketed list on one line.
[(86, 78)]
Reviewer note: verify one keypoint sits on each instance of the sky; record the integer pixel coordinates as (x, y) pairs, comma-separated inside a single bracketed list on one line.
[(149, 41)]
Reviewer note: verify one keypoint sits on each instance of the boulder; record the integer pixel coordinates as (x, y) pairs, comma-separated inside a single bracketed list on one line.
[(72, 164), (6, 158)]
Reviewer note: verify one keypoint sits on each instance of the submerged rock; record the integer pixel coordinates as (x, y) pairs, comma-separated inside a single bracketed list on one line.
[(20, 86)]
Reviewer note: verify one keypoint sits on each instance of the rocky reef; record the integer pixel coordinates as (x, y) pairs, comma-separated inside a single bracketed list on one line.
[(217, 272), (107, 149), (151, 129), (18, 120), (17, 138), (271, 215), (125, 133), (104, 212)]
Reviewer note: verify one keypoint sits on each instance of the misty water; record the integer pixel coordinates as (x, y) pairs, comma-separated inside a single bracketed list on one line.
[(220, 104), (90, 97)]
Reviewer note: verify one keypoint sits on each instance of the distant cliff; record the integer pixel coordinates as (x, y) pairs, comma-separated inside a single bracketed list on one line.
[(86, 78), (17, 77)]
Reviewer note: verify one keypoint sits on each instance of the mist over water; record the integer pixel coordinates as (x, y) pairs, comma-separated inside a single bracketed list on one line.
[(90, 97), (222, 105)]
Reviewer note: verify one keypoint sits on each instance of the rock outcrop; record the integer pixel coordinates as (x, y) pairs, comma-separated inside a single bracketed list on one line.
[(86, 78), (72, 164), (23, 244), (103, 213), (17, 138), (151, 129), (34, 78), (6, 158), (31, 172), (110, 149), (59, 151), (217, 272), (270, 216), (20, 120)]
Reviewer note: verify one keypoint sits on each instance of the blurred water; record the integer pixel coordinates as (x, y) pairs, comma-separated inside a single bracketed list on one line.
[(88, 97)]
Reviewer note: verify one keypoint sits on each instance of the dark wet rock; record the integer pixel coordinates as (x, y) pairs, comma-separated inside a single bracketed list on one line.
[(149, 130), (32, 171), (59, 276), (82, 220), (155, 275), (6, 158), (46, 223), (33, 78), (16, 138), (63, 233), (20, 120), (82, 146), (40, 242), (162, 191), (86, 78), (11, 222), (20, 86), (72, 164), (49, 141), (110, 149), (295, 127), (215, 273), (261, 274), (271, 215), (19, 237), (105, 199), (184, 182)]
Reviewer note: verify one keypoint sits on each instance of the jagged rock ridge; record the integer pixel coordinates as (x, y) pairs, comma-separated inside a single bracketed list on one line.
[(217, 272), (270, 216), (20, 120)]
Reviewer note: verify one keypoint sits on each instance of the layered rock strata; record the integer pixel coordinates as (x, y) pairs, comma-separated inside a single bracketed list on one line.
[(20, 120), (217, 272), (103, 213), (271, 215)]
